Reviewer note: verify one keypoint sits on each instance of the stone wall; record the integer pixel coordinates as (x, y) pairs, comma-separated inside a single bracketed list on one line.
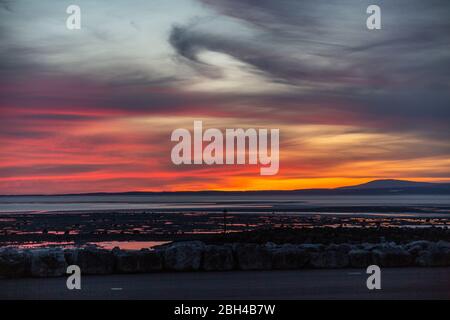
[(197, 256)]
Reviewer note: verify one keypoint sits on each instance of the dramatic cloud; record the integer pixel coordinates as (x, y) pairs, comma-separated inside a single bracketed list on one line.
[(93, 109)]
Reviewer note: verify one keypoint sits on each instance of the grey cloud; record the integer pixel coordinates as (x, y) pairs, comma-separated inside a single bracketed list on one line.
[(394, 79), (333, 35)]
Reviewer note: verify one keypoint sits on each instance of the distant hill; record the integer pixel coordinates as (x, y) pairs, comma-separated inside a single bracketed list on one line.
[(390, 186), (390, 183), (375, 187)]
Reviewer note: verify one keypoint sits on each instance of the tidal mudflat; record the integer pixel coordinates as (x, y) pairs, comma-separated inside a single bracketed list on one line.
[(135, 229)]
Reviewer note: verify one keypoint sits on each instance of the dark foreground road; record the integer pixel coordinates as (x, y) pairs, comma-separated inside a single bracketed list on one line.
[(397, 283)]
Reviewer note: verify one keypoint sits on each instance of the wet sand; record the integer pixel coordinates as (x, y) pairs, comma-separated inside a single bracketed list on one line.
[(78, 228)]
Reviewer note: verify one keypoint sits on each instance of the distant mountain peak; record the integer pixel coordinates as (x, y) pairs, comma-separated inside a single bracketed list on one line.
[(389, 183)]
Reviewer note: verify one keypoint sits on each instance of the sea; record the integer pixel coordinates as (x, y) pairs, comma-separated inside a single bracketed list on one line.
[(212, 203)]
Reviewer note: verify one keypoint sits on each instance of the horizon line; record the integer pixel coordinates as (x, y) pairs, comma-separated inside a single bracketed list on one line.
[(206, 190)]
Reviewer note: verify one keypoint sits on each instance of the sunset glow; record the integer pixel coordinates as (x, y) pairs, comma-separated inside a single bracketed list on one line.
[(93, 110)]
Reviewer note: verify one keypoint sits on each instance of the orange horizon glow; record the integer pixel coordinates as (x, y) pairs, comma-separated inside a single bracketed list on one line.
[(123, 153)]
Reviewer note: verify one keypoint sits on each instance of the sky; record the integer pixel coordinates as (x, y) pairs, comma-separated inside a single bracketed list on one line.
[(93, 109)]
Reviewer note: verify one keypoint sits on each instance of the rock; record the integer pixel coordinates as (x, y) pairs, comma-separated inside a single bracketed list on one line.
[(343, 247), (218, 258), (443, 244), (71, 256), (392, 257), (150, 260), (381, 246), (312, 247), (13, 263), (126, 261), (369, 246), (360, 258), (184, 256), (391, 244), (195, 255), (271, 245), (289, 257), (48, 263), (253, 257), (95, 261), (329, 259), (137, 261), (415, 247), (422, 244), (414, 251), (434, 258)]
